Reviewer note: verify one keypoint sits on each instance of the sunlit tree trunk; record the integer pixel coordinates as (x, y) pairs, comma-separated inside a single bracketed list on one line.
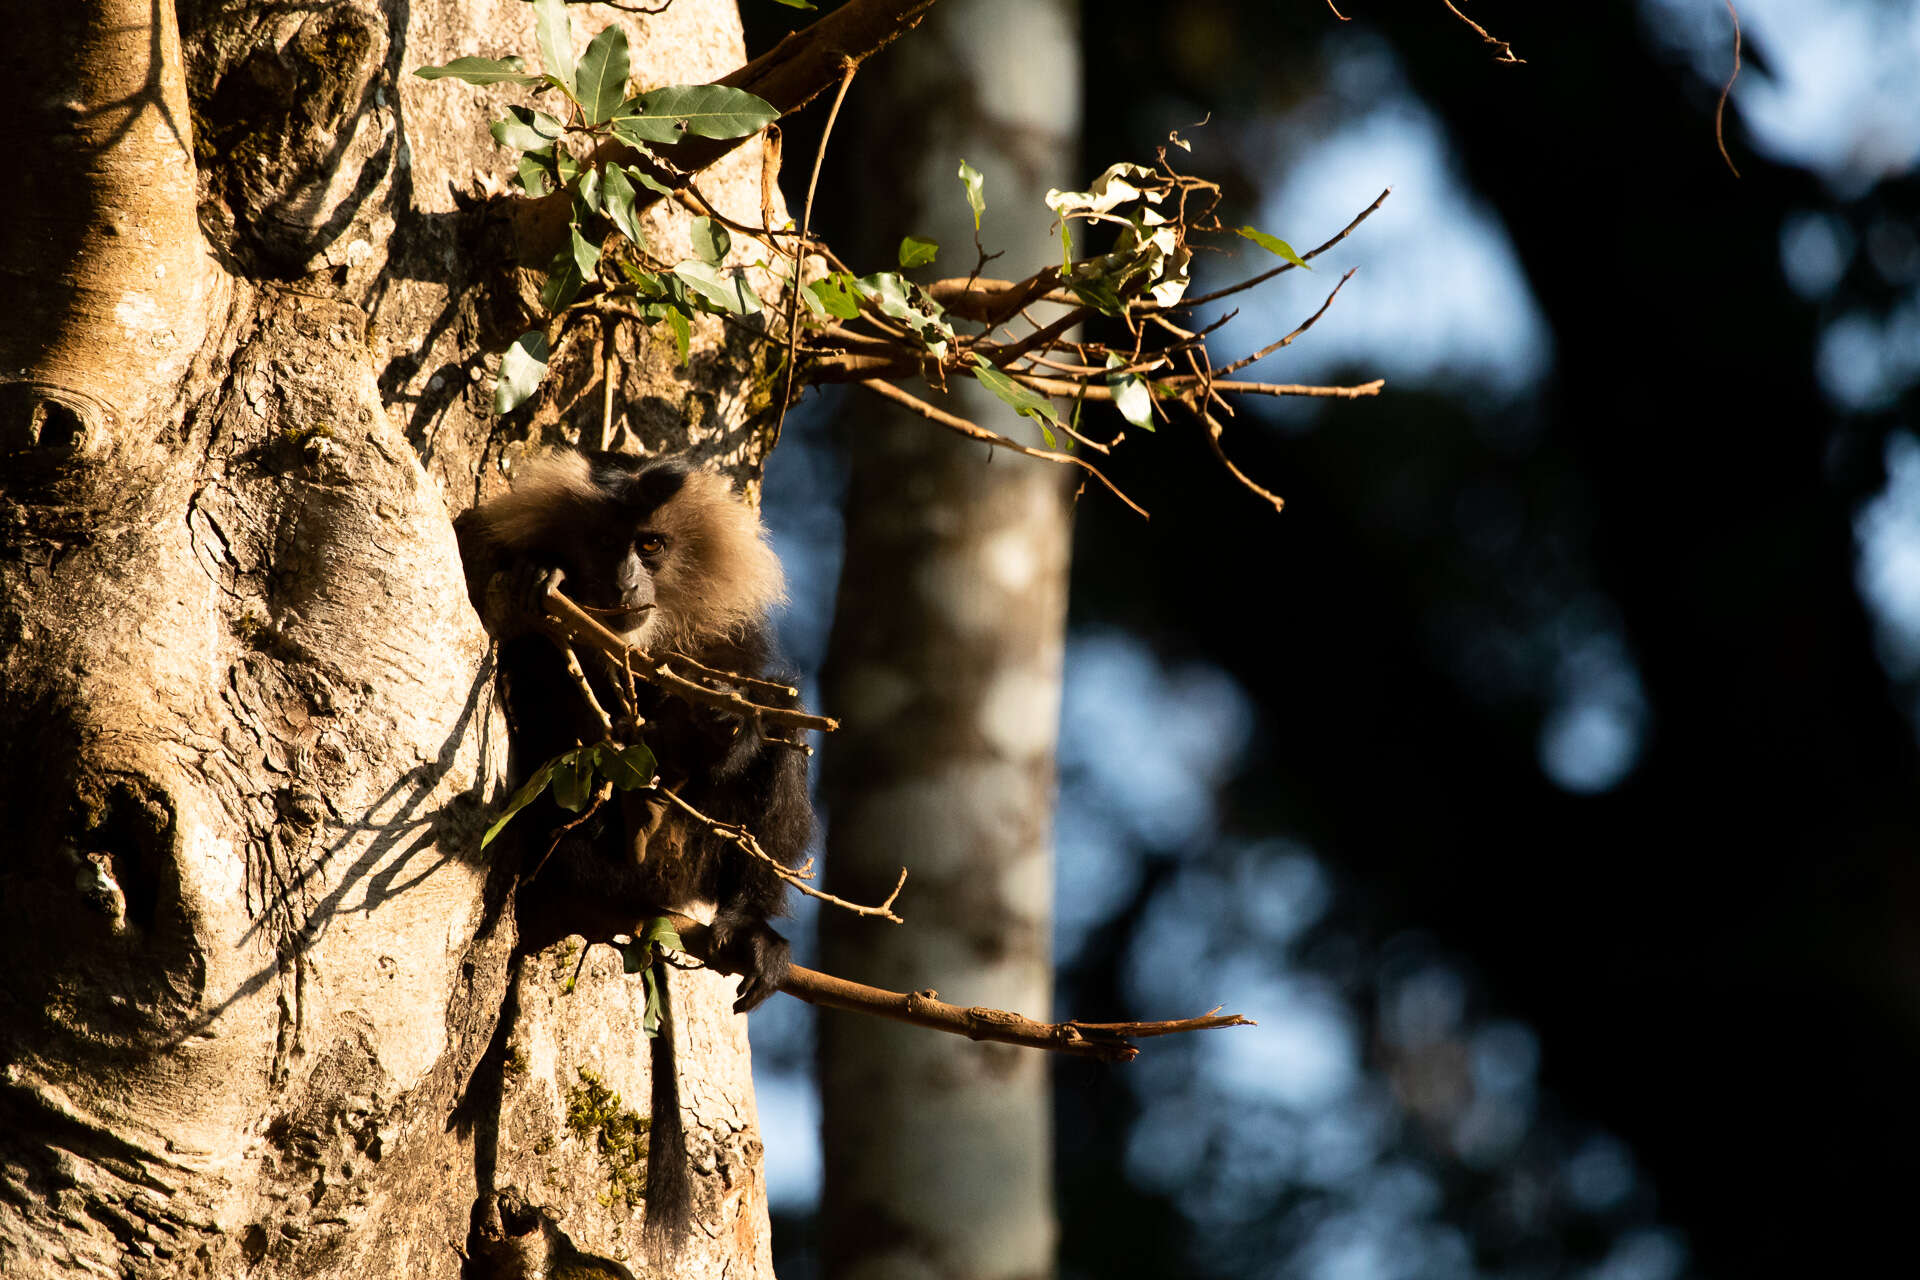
[(945, 668), (262, 1013)]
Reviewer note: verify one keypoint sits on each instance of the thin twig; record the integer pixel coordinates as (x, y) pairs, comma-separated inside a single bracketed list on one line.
[(1305, 325), (1213, 438), (1041, 337), (775, 687), (1264, 276), (1302, 389), (974, 431), (1178, 381), (1720, 108), (601, 794), (586, 690), (1503, 52), (799, 259), (1102, 1041), (744, 840), (572, 623), (606, 402)]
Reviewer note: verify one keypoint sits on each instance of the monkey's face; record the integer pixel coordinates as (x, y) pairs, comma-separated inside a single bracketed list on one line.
[(619, 568), (612, 572), (662, 552)]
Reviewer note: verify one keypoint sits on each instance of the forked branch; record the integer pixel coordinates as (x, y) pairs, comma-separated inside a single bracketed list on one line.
[(569, 623)]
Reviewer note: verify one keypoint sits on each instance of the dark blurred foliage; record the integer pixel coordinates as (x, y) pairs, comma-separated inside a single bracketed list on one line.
[(1717, 954), (1714, 960)]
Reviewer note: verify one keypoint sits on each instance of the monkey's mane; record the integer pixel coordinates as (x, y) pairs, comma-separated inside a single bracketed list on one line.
[(549, 489), (720, 578)]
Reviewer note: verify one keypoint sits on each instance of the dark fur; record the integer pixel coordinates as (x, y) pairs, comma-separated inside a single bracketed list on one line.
[(632, 860)]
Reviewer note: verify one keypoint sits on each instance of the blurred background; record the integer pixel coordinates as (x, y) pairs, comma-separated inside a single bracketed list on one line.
[(1543, 778)]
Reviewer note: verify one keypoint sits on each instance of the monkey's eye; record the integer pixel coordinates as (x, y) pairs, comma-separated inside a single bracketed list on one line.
[(650, 544)]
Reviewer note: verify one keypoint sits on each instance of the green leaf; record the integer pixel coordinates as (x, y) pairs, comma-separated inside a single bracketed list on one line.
[(976, 199), (616, 201), (482, 71), (889, 291), (797, 4), (547, 169), (1130, 394), (628, 768), (573, 780), (526, 129), (659, 932), (682, 334), (648, 181), (602, 74), (1098, 293), (521, 370), (900, 298), (535, 174), (814, 306), (1025, 401), (699, 110), (725, 292), (525, 796), (836, 295), (916, 251), (587, 195), (710, 240), (568, 271), (556, 40), (637, 957), (1275, 245), (656, 1010)]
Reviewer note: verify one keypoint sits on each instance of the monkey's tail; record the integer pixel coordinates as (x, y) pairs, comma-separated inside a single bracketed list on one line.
[(669, 1170)]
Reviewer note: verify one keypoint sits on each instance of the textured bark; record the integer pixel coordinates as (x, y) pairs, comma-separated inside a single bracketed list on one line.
[(262, 1013), (945, 672)]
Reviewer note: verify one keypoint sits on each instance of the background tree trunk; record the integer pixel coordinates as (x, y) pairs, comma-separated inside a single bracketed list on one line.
[(945, 668), (262, 1012)]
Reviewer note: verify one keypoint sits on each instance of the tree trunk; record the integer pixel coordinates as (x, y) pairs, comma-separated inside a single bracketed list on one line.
[(945, 670), (263, 1012)]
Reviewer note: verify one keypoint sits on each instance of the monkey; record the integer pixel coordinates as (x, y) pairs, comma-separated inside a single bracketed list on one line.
[(667, 556)]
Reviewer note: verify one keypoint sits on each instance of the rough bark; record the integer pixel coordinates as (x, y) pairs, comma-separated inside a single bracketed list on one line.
[(945, 672), (262, 1011)]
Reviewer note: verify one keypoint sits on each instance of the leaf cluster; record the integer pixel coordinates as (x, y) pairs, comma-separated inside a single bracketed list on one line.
[(602, 147), (574, 776), (599, 145)]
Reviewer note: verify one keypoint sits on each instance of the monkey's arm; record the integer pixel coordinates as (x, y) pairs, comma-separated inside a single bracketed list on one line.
[(763, 787)]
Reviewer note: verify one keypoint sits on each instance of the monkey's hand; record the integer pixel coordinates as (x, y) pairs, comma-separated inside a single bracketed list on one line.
[(517, 598), (745, 945)]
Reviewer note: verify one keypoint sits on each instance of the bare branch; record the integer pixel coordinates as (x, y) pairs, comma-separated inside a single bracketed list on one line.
[(1287, 341), (744, 840), (1102, 1041), (1503, 52), (569, 622), (1309, 256), (799, 259), (974, 431), (1720, 107), (774, 687), (1213, 438), (1063, 387), (579, 678)]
